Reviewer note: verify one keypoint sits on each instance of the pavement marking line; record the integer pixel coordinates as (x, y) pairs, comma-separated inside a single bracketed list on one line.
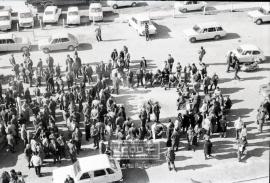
[(250, 179)]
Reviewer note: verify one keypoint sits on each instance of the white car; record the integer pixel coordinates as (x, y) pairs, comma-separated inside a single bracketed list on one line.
[(249, 53), (11, 42), (51, 14), (189, 6), (5, 20), (261, 15), (138, 23), (25, 17), (73, 16), (208, 30), (91, 169), (117, 4), (95, 12)]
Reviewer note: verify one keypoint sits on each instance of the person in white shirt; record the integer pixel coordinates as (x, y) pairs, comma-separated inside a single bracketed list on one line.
[(238, 127), (36, 161)]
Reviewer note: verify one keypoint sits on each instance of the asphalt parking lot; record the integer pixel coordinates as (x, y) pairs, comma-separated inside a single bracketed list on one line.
[(170, 39)]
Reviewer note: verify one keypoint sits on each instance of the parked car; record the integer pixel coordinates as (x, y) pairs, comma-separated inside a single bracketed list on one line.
[(73, 16), (95, 12), (265, 90), (261, 15), (25, 17), (51, 14), (189, 6), (11, 42), (117, 4), (138, 23), (5, 20), (249, 53), (208, 30), (61, 41), (94, 169)]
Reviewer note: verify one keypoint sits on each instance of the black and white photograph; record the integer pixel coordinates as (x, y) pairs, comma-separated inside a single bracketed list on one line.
[(101, 91)]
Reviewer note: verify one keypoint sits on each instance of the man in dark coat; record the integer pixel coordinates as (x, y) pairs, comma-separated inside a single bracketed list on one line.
[(175, 139), (170, 157), (207, 147)]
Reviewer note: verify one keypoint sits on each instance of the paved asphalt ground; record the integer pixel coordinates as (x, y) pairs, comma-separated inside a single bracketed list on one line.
[(191, 166)]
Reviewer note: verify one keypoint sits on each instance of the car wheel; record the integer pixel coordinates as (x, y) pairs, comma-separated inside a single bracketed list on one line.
[(24, 49), (184, 10), (46, 50), (193, 39), (217, 37), (259, 22), (133, 4), (115, 6), (71, 48)]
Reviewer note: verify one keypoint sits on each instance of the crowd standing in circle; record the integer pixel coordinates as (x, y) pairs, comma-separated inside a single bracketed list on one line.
[(85, 98)]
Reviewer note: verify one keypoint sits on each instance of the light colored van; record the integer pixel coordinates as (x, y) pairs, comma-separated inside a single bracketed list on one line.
[(138, 23), (25, 17), (73, 16), (95, 12), (51, 14), (5, 20), (208, 30), (11, 42), (92, 169)]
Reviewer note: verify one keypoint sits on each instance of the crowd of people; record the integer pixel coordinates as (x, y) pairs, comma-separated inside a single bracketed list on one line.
[(86, 99)]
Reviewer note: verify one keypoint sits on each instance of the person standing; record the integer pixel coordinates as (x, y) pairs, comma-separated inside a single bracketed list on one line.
[(229, 61), (223, 126), (170, 62), (139, 75), (178, 71), (170, 157), (238, 126), (130, 79), (72, 151), (146, 29), (261, 119), (202, 52), (214, 81), (175, 138), (98, 33), (207, 147), (156, 110), (36, 161), (236, 70), (116, 83), (20, 177), (12, 60)]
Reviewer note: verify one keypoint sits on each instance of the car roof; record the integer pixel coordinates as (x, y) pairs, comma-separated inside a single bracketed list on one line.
[(96, 162), (208, 24), (249, 47), (50, 8), (4, 13), (73, 8), (6, 36), (95, 5), (24, 10)]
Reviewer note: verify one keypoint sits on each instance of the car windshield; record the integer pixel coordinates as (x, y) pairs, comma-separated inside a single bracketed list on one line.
[(48, 12), (25, 15), (239, 50), (73, 13), (196, 28), (263, 11), (3, 18), (94, 10)]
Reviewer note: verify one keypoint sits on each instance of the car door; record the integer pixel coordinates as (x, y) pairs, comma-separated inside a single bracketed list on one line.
[(65, 42), (12, 46), (111, 174), (3, 46), (100, 176), (246, 56), (211, 32), (86, 177), (55, 44), (256, 55), (203, 34)]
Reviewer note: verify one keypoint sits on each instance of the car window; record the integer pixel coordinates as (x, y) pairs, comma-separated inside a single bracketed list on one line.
[(256, 52), (110, 171), (211, 29), (85, 176), (246, 52), (99, 173), (65, 40), (188, 2), (10, 41), (204, 30), (55, 41), (219, 29)]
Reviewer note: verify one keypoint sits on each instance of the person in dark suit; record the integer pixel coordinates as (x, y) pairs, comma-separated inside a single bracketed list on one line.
[(207, 147), (236, 70)]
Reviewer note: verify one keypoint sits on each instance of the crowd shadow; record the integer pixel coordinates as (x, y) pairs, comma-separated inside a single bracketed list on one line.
[(85, 46), (226, 91), (224, 80), (112, 40), (129, 175), (254, 78), (193, 167), (135, 64), (242, 112)]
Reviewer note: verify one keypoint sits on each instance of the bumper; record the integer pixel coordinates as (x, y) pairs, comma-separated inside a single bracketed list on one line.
[(97, 18), (30, 24), (50, 21), (5, 27), (73, 22)]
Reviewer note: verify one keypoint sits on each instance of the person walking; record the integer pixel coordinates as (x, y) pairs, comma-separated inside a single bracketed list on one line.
[(72, 151), (261, 119), (98, 33), (223, 127), (202, 52), (170, 157), (238, 126), (236, 70), (116, 83), (229, 61), (146, 29), (28, 154), (139, 75), (175, 138), (156, 110), (36, 161)]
